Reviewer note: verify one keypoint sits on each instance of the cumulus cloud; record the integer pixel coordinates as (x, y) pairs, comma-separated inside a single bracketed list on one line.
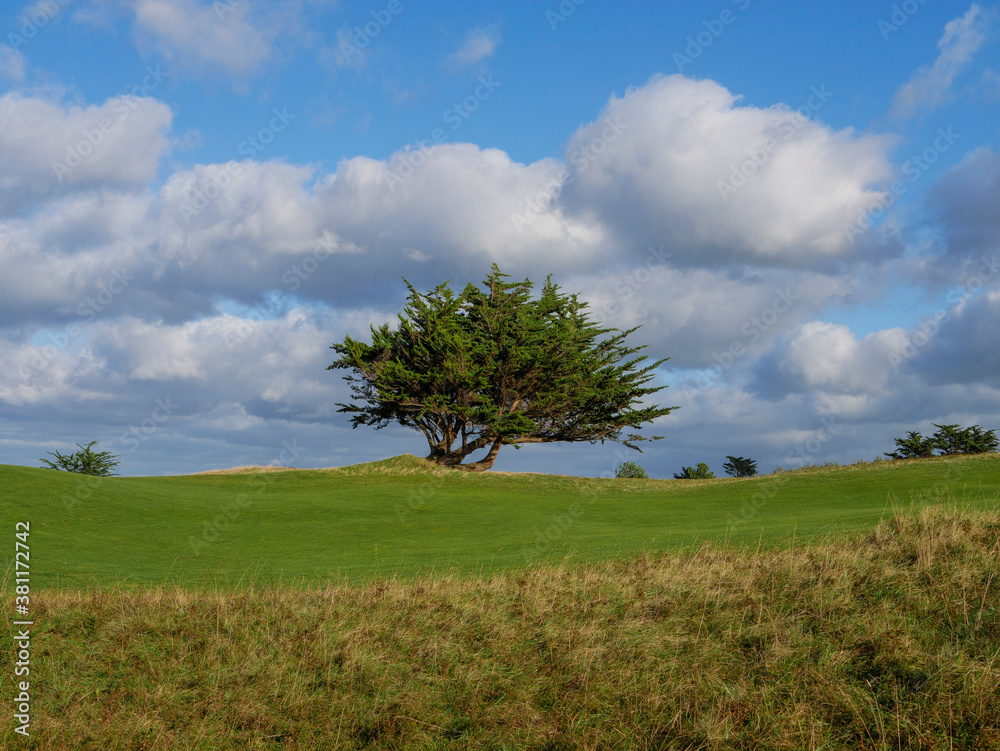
[(49, 149), (227, 381), (703, 318), (965, 202), (47, 370), (962, 348), (929, 86), (68, 252), (668, 163), (821, 357), (239, 230), (479, 44), (240, 274)]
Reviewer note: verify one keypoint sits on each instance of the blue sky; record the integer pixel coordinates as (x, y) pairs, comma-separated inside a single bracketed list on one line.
[(796, 202)]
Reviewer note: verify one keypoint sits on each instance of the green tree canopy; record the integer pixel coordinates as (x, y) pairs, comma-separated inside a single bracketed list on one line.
[(630, 470), (494, 366), (739, 466), (86, 461), (701, 472), (949, 439)]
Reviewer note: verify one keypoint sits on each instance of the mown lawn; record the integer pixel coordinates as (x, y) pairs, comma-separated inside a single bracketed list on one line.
[(401, 518)]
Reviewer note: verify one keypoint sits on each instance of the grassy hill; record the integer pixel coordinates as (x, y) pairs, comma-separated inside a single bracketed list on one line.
[(807, 623), (404, 517)]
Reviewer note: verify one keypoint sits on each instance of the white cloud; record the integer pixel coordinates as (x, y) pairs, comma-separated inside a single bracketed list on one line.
[(243, 207), (480, 44), (238, 229), (203, 37), (458, 202), (12, 63), (821, 357), (43, 373), (928, 88), (653, 168), (729, 271), (416, 255), (47, 148), (704, 318)]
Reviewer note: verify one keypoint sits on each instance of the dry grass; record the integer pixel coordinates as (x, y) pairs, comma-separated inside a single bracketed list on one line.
[(404, 464), (249, 469), (890, 641)]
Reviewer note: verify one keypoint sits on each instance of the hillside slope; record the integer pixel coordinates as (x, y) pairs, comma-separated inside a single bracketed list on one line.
[(403, 517)]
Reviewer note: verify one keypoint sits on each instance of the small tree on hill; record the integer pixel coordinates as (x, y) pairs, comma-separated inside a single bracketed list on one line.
[(702, 472), (630, 470), (914, 446), (738, 466), (493, 367), (84, 462)]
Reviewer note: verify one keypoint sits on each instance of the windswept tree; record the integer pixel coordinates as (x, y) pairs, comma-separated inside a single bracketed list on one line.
[(951, 439), (913, 446), (495, 367), (86, 461), (739, 466)]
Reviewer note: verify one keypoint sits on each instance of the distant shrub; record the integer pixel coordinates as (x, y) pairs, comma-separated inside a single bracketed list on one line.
[(630, 470), (701, 472), (84, 462)]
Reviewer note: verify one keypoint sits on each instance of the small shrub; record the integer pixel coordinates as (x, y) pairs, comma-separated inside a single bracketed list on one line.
[(701, 472), (630, 470), (84, 462)]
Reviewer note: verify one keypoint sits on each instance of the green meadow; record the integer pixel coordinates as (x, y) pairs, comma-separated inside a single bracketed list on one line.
[(395, 605), (404, 517)]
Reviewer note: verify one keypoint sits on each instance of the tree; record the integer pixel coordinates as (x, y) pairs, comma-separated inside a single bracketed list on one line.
[(84, 462), (913, 446), (630, 470), (494, 367), (690, 473), (738, 466), (949, 439)]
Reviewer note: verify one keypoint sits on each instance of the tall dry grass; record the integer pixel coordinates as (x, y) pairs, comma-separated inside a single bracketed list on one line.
[(887, 641)]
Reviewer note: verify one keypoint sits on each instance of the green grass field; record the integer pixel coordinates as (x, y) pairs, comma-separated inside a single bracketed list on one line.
[(403, 517), (398, 606)]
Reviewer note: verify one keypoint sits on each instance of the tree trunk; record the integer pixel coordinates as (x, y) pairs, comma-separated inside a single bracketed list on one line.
[(487, 461), (440, 454)]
